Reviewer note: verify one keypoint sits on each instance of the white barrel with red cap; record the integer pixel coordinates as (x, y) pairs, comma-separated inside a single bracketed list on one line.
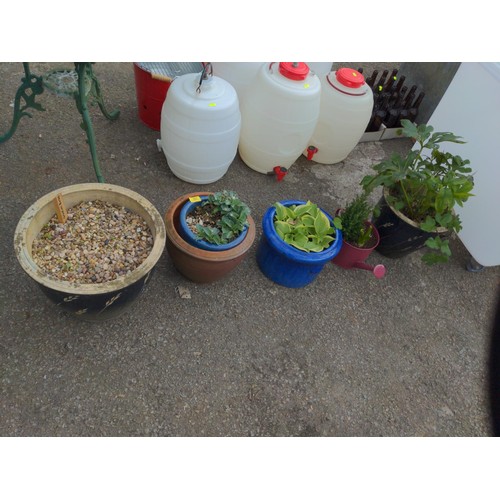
[(200, 127), (239, 74), (346, 108), (278, 116)]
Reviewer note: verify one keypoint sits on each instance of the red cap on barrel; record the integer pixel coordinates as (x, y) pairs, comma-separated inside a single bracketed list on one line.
[(350, 78), (294, 71)]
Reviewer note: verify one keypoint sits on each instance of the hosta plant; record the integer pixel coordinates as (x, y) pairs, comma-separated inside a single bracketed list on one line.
[(426, 184), (304, 227), (225, 217)]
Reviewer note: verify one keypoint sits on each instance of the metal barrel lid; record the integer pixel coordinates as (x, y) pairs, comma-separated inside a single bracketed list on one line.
[(171, 69)]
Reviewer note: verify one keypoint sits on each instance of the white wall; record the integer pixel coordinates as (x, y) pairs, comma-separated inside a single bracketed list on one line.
[(471, 108)]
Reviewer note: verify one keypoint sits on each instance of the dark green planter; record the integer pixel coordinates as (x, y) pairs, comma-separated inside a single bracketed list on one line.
[(399, 235)]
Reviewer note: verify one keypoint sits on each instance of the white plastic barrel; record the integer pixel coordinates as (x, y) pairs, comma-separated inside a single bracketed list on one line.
[(242, 74), (320, 68), (346, 108), (239, 74), (278, 115), (200, 127)]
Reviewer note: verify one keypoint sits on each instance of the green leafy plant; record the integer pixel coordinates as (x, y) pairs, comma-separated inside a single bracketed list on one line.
[(353, 220), (426, 185), (304, 227), (227, 215)]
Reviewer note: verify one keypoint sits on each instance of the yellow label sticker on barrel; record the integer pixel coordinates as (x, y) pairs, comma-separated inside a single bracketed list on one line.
[(306, 85), (212, 104), (194, 199)]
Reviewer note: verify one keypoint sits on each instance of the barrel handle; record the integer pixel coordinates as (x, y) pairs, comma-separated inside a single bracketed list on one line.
[(203, 75), (162, 78)]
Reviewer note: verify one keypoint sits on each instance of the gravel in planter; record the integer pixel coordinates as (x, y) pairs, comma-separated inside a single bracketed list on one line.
[(203, 216), (98, 243)]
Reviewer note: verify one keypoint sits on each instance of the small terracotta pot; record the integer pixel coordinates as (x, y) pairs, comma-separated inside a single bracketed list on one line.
[(197, 265)]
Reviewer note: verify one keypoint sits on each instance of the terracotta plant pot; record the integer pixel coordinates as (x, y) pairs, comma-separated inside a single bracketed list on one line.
[(94, 301), (197, 265), (190, 237), (351, 256)]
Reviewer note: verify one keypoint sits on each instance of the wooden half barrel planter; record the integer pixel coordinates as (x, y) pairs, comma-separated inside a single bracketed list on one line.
[(202, 265), (89, 301)]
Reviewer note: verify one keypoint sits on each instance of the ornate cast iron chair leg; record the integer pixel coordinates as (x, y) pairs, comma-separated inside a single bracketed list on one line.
[(81, 104), (30, 87), (96, 92)]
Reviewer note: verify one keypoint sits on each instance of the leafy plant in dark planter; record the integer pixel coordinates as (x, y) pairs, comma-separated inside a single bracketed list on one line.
[(298, 239), (420, 193), (360, 236)]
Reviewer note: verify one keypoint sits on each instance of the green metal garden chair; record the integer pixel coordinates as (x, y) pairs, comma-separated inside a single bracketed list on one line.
[(79, 83)]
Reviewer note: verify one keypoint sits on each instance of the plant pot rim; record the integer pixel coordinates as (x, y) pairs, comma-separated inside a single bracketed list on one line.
[(401, 215), (201, 243), (370, 248), (294, 253), (41, 277), (205, 255)]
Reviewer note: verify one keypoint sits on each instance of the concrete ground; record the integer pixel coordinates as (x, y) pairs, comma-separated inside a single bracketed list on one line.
[(348, 355)]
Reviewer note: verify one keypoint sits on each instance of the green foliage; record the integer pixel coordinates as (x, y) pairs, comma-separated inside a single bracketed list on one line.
[(304, 227), (442, 251), (353, 219), (231, 214), (426, 186)]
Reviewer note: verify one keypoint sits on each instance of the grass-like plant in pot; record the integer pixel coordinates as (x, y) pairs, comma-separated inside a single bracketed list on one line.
[(217, 221), (360, 236), (420, 193), (298, 239), (354, 222)]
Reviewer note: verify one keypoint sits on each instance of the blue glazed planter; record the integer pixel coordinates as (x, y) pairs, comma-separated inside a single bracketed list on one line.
[(190, 237), (286, 265)]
